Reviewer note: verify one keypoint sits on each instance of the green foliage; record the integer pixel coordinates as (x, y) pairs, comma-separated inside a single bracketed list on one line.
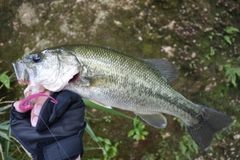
[(4, 127), (109, 150), (5, 140), (212, 51), (5, 133), (232, 73), (192, 67), (138, 133), (187, 146), (220, 41), (231, 30), (228, 36), (5, 80), (227, 39), (107, 118), (181, 123), (91, 133)]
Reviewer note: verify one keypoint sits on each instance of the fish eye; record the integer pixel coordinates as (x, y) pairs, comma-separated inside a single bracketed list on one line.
[(36, 58)]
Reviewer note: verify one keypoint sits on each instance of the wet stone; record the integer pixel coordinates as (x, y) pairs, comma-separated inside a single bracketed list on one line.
[(236, 136)]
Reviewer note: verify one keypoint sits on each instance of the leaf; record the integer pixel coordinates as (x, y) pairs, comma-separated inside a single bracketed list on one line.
[(136, 137), (5, 79), (195, 147), (4, 127), (91, 133), (4, 135), (142, 137), (106, 147), (90, 148), (218, 34), (145, 133), (228, 40), (210, 37), (137, 131), (212, 52), (100, 139), (231, 30), (183, 148), (135, 122), (231, 73), (130, 133), (141, 126), (2, 109), (107, 141)]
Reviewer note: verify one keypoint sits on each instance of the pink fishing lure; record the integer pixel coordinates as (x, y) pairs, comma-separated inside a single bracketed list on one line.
[(25, 105)]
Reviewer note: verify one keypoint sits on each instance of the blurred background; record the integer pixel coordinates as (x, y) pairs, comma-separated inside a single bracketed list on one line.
[(200, 37)]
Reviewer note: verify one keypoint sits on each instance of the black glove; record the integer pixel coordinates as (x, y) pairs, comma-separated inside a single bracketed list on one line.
[(59, 130)]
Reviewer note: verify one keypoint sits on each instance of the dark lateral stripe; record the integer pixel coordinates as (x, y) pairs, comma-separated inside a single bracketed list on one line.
[(174, 102)]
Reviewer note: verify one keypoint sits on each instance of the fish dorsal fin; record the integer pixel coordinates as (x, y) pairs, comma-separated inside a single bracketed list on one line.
[(167, 69), (156, 120)]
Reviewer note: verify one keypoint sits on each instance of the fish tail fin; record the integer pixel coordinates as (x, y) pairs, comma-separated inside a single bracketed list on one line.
[(210, 122)]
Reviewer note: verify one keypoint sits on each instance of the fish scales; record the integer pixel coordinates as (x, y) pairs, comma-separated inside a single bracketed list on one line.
[(114, 79), (132, 74)]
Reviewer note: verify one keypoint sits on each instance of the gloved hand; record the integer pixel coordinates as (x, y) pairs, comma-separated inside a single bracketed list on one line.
[(59, 129)]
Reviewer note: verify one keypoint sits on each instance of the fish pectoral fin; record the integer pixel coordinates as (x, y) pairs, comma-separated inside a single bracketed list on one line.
[(103, 105), (99, 80), (167, 69), (156, 120)]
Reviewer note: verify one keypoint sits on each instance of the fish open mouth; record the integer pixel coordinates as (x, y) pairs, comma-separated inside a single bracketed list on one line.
[(74, 78), (21, 73), (28, 76)]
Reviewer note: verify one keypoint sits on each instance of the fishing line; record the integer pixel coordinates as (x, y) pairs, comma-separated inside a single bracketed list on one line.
[(24, 106), (55, 138)]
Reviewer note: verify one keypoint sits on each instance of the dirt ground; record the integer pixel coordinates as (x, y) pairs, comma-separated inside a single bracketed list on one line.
[(199, 37)]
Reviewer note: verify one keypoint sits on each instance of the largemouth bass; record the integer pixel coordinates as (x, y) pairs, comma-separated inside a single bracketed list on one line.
[(114, 79)]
